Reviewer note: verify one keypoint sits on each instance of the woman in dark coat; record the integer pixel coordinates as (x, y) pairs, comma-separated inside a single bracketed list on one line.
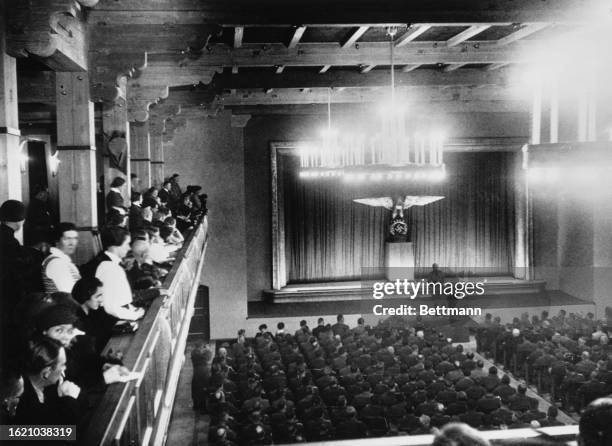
[(114, 199)]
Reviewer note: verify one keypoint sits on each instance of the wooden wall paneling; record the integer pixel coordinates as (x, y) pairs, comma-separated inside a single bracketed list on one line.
[(77, 168), (10, 163), (140, 152), (116, 150)]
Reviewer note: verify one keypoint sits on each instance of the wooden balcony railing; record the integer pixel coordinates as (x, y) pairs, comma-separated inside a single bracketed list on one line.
[(138, 412)]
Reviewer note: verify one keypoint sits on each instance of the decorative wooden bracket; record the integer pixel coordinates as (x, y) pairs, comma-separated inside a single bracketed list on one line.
[(53, 31)]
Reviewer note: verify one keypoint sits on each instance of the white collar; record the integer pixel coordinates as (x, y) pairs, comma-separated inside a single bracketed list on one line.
[(56, 252), (115, 189), (114, 257)]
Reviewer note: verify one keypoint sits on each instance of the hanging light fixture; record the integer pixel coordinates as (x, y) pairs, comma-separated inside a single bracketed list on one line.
[(399, 150)]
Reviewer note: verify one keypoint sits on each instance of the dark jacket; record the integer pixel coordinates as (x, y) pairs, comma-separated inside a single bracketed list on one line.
[(114, 199), (54, 410), (135, 217)]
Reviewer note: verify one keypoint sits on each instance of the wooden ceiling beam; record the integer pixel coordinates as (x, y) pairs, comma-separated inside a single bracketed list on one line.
[(413, 32), (354, 36), (320, 95), (368, 53), (409, 68), (465, 35), (244, 12), (452, 67), (38, 88), (296, 36), (522, 33), (351, 78), (435, 108), (496, 66)]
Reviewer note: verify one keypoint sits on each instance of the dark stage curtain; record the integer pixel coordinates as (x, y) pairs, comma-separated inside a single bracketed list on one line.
[(470, 231)]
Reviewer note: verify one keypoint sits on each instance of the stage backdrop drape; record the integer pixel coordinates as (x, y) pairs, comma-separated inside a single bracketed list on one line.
[(471, 231)]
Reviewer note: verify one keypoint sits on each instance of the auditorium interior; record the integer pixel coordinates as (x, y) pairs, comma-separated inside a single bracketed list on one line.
[(346, 152)]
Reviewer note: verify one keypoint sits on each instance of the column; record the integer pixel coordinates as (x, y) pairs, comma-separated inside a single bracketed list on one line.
[(77, 168), (10, 169), (116, 131), (140, 152), (157, 157)]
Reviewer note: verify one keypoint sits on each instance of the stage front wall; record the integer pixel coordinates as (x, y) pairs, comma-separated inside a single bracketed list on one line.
[(330, 238)]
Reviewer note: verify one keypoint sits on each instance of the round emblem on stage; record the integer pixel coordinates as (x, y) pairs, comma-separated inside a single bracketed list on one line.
[(398, 227)]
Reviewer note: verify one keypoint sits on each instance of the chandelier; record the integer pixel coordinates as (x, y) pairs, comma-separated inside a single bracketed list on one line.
[(401, 149)]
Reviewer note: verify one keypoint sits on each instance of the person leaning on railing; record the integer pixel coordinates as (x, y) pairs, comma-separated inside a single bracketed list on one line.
[(107, 267)]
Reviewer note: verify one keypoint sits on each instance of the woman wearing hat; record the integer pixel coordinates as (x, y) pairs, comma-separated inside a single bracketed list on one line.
[(84, 366)]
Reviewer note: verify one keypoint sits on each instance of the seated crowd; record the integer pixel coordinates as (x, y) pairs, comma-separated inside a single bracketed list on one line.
[(568, 356), (336, 382), (57, 317)]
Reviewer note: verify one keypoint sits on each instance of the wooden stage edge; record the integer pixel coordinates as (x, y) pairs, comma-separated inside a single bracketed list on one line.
[(504, 297), (360, 290)]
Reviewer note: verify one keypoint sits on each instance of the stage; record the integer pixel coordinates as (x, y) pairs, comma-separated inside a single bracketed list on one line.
[(362, 290), (505, 297)]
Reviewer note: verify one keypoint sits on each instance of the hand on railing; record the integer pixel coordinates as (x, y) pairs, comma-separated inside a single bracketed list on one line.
[(117, 373), (165, 295)]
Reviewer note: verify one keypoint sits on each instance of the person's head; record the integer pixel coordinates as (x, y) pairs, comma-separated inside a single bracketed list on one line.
[(66, 238), (320, 321), (11, 389), (505, 380), (595, 427), (434, 266), (135, 181), (493, 371), (263, 328), (167, 184), (361, 321), (152, 192), (154, 235), (147, 213), (45, 361), (170, 222), (340, 318), (458, 434), (162, 213), (117, 182), (12, 214), (41, 193), (140, 249), (280, 326), (89, 292), (165, 232), (552, 412), (116, 240), (57, 322)]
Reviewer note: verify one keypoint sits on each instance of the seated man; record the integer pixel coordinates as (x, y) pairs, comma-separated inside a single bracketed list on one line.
[(47, 398), (117, 290)]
